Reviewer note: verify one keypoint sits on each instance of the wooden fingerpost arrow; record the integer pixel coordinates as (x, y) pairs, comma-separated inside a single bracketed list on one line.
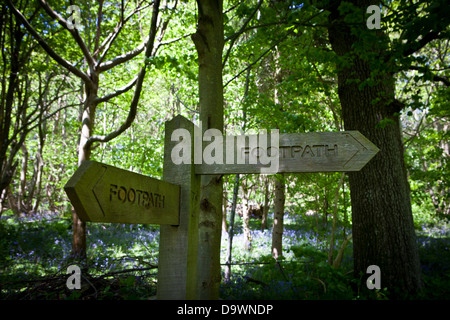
[(103, 193), (341, 151)]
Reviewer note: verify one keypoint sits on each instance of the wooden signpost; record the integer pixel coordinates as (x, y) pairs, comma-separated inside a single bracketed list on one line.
[(177, 264), (102, 193)]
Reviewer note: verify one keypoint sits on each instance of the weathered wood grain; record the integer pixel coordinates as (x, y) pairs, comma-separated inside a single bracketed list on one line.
[(341, 151), (177, 264), (103, 193)]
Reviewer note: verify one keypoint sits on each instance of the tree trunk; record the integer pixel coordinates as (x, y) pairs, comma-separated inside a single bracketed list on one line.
[(209, 43), (383, 229), (224, 211), (37, 183), (278, 202), (7, 164), (246, 216), (39, 165), (12, 202), (265, 209), (84, 154), (333, 230), (23, 180), (278, 216), (227, 274), (325, 207)]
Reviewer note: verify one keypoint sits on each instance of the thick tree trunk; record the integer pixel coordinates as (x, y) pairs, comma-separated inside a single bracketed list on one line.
[(7, 163), (383, 229), (209, 42)]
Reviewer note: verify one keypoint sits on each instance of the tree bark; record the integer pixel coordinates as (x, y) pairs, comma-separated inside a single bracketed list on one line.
[(209, 42), (278, 202), (7, 164), (246, 215), (265, 209), (35, 192), (383, 229), (278, 216), (224, 211), (227, 274), (23, 180)]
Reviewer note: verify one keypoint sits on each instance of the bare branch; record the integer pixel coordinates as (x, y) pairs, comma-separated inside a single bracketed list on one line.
[(118, 91), (107, 43), (139, 83), (52, 13), (99, 24), (60, 60), (122, 58), (434, 77), (241, 30), (280, 39), (416, 46), (162, 25), (164, 43)]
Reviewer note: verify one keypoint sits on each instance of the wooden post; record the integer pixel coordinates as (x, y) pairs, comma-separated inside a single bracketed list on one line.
[(177, 265)]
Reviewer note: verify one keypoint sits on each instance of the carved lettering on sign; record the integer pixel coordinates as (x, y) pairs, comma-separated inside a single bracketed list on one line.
[(136, 197), (292, 152)]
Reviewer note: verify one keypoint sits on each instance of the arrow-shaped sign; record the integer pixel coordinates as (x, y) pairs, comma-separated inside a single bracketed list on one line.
[(296, 152), (325, 151), (103, 193)]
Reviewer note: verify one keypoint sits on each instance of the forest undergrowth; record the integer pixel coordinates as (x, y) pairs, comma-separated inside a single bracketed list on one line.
[(122, 261)]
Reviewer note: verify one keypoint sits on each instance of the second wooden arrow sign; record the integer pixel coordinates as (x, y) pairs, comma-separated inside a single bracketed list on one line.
[(341, 151)]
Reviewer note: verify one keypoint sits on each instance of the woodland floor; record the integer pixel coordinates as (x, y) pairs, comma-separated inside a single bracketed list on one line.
[(122, 262)]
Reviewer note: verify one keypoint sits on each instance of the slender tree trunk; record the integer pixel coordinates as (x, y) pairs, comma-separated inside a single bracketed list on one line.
[(23, 179), (383, 229), (333, 230), (12, 202), (209, 41), (37, 184), (246, 216), (39, 164), (2, 201), (278, 202), (224, 211), (227, 274), (278, 216), (439, 194), (325, 207), (266, 204), (84, 154)]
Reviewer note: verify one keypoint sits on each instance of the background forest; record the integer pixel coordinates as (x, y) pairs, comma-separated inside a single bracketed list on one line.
[(279, 71)]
